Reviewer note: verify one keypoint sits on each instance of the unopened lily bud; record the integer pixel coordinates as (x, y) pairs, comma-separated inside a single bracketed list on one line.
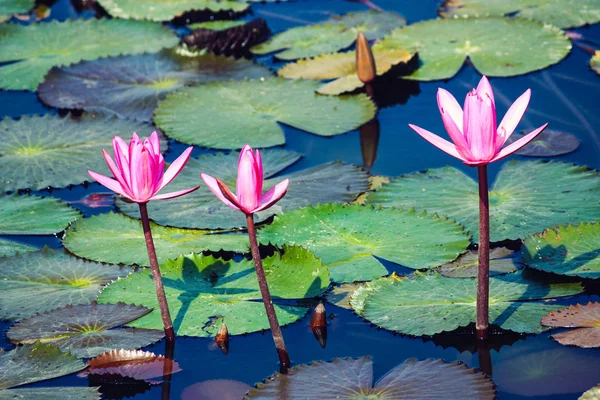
[(318, 324), (365, 62), (222, 339)]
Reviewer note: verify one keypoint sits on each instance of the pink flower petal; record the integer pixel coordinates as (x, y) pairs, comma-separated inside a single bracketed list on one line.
[(121, 152), (511, 148), (175, 167), (136, 168), (450, 106), (247, 181), (214, 187), (450, 124), (438, 142), (172, 195), (513, 117), (473, 123), (110, 183), (484, 88), (272, 196), (155, 143), (259, 173)]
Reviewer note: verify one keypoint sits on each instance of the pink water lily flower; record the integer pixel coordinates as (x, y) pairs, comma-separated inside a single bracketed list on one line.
[(249, 197), (476, 139), (139, 170)]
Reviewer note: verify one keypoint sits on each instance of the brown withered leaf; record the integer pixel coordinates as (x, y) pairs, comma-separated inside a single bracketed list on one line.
[(134, 364), (584, 317)]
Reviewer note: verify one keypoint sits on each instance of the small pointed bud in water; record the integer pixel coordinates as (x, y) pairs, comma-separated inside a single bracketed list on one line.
[(318, 324), (365, 62), (222, 339)]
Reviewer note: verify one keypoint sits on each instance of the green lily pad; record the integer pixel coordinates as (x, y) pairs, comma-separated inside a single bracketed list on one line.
[(203, 292), (549, 143), (10, 7), (52, 393), (37, 48), (347, 237), (466, 266), (595, 62), (495, 46), (218, 25), (56, 278), (34, 215), (10, 247), (37, 152), (522, 200), (230, 111), (349, 379), (430, 303), (560, 13), (149, 78), (342, 68), (332, 182), (166, 10), (97, 237), (565, 250), (336, 33), (584, 317), (86, 330), (592, 394)]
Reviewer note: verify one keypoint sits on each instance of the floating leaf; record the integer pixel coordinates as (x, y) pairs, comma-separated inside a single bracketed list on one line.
[(585, 317), (340, 294), (429, 304), (347, 238), (51, 393), (549, 143), (467, 265), (97, 237), (166, 10), (522, 200), (131, 86), (49, 151), (332, 182), (227, 111), (217, 25), (592, 394), (560, 13), (10, 7), (349, 378), (56, 278), (495, 46), (10, 248), (86, 330), (595, 62), (203, 292), (334, 34), (34, 215), (134, 364), (565, 250), (38, 47), (342, 68)]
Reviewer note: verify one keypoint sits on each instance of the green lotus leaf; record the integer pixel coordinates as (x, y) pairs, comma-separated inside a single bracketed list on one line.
[(10, 247), (97, 237), (467, 265), (565, 250), (430, 303), (37, 152), (347, 238), (34, 215), (34, 49), (56, 278), (549, 143), (595, 62), (334, 34), (592, 394), (10, 7), (527, 197), (227, 115), (203, 292), (86, 330), (342, 68), (51, 393), (560, 13), (131, 86), (346, 378), (218, 25), (584, 317), (495, 46), (166, 10)]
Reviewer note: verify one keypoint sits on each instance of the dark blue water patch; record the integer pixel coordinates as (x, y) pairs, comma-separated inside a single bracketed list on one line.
[(39, 241), (15, 104)]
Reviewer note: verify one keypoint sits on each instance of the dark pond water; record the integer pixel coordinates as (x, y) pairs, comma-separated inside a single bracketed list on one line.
[(534, 367)]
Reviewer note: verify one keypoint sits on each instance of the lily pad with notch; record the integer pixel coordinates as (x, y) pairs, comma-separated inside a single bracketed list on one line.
[(586, 318), (10, 248), (467, 265), (86, 330), (521, 200), (549, 143), (227, 111), (203, 292), (430, 303), (132, 86), (343, 378), (33, 50), (347, 238)]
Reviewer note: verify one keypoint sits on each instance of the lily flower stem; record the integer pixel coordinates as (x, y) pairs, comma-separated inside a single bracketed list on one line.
[(156, 277), (483, 275), (168, 370), (284, 358)]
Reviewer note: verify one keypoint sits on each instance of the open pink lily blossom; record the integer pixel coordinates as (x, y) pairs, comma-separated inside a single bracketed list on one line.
[(249, 197), (139, 170), (476, 139)]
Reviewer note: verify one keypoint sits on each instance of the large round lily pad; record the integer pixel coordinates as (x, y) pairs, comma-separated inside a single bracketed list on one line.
[(348, 238), (10, 247), (56, 278), (33, 49), (203, 292), (430, 303), (34, 215), (495, 46), (37, 152), (527, 197), (166, 10), (97, 237), (10, 7), (560, 13), (345, 378), (86, 330), (227, 115), (131, 86), (586, 318), (565, 250), (467, 265)]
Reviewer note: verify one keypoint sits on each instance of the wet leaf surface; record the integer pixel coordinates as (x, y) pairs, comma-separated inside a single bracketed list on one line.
[(584, 317)]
